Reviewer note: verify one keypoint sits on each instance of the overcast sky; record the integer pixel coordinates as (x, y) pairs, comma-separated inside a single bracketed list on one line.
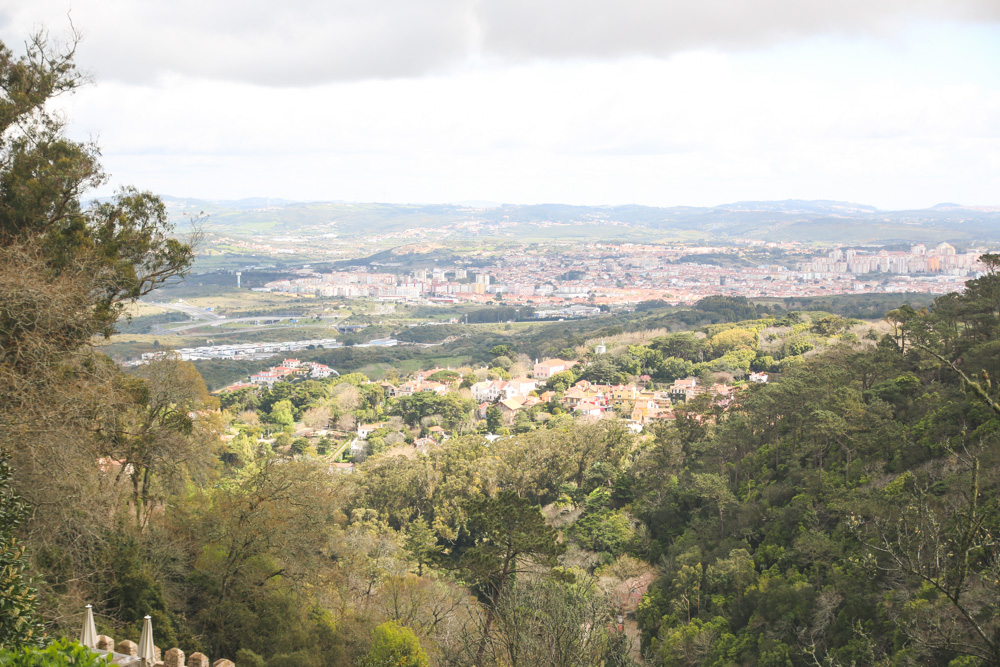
[(894, 103)]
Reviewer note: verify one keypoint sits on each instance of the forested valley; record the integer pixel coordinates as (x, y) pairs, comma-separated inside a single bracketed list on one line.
[(844, 513)]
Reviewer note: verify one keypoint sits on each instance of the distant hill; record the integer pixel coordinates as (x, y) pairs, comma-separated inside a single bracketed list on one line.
[(237, 204), (789, 220), (819, 207)]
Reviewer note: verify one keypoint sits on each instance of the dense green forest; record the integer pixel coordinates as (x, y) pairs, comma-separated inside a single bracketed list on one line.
[(845, 513)]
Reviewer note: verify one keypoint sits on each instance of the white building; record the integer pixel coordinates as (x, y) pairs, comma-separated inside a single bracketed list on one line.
[(546, 369), (320, 371), (365, 430)]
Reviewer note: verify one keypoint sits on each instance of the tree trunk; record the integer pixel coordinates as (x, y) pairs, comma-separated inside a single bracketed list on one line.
[(486, 634), (489, 612)]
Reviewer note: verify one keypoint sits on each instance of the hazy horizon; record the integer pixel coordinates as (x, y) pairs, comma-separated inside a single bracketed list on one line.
[(496, 204)]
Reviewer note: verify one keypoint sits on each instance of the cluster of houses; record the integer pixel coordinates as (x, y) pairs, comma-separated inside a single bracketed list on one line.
[(509, 395), (586, 399), (288, 370), (638, 404), (633, 403)]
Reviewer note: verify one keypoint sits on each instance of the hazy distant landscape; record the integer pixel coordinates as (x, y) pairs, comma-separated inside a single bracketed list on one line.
[(792, 220)]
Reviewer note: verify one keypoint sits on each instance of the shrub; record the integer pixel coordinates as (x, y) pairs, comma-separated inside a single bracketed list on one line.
[(395, 645), (62, 653)]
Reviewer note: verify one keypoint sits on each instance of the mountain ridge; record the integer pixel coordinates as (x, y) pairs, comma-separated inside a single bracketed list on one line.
[(824, 221)]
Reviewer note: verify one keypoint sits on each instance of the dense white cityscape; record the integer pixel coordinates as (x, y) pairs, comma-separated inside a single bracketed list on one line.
[(616, 274)]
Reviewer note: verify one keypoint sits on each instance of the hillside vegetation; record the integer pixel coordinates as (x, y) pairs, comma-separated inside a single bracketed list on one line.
[(842, 514)]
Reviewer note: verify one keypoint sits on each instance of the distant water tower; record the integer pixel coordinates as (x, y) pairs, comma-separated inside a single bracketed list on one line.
[(601, 349), (238, 274)]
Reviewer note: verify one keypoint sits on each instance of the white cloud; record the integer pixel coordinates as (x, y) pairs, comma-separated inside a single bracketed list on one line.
[(698, 129), (300, 42), (577, 102)]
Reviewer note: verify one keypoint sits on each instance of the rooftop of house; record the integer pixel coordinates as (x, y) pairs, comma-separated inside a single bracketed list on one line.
[(555, 362)]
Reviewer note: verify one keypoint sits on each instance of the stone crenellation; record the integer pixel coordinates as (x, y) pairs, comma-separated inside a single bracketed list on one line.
[(173, 657), (126, 647)]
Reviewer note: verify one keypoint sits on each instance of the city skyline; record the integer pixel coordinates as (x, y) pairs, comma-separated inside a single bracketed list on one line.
[(616, 274)]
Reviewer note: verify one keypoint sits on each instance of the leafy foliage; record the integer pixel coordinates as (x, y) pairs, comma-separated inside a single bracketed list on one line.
[(394, 645), (451, 408), (19, 623), (62, 653), (850, 512)]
